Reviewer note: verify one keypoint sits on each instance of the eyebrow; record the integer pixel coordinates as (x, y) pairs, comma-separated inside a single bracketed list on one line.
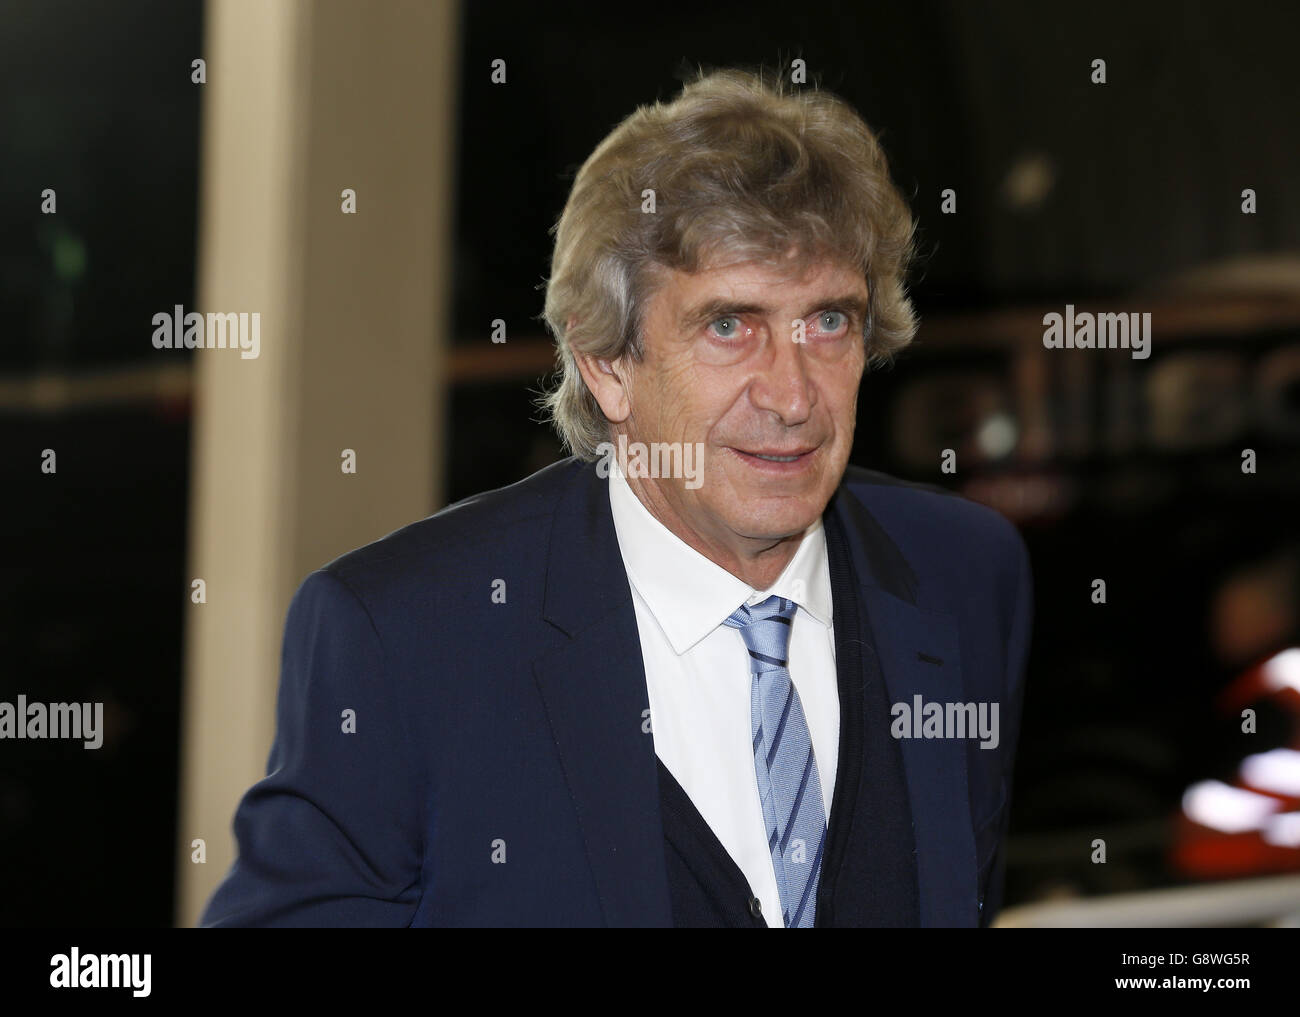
[(717, 307)]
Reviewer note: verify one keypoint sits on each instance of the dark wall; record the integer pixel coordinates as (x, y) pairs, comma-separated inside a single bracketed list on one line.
[(96, 104)]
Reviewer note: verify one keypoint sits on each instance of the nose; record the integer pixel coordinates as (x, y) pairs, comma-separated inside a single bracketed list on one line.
[(782, 386)]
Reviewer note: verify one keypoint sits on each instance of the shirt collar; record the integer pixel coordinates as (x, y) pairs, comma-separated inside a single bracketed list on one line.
[(688, 594)]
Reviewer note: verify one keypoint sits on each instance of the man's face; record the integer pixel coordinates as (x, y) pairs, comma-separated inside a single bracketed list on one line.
[(725, 366)]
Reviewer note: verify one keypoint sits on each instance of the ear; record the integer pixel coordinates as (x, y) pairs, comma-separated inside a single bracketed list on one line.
[(608, 382)]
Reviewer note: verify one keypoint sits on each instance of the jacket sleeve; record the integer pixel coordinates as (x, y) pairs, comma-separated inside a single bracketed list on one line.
[(331, 836), (1018, 644)]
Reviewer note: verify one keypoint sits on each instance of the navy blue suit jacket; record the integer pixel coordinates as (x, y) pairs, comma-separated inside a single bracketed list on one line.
[(501, 771)]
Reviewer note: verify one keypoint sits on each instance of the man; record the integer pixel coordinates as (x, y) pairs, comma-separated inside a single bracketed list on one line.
[(701, 672)]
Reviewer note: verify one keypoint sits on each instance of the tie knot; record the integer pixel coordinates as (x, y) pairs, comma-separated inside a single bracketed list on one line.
[(765, 627)]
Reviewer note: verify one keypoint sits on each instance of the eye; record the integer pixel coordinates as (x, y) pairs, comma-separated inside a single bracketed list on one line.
[(726, 327), (832, 321)]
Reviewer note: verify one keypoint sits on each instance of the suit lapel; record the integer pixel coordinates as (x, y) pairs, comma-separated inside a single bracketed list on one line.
[(594, 690), (869, 872), (918, 653)]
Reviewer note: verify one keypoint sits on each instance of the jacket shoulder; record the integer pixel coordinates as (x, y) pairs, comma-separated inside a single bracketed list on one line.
[(502, 525), (937, 530)]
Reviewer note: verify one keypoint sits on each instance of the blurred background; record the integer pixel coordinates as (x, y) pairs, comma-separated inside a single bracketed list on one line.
[(159, 153)]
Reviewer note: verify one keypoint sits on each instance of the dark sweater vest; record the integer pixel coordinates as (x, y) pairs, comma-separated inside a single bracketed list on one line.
[(868, 873)]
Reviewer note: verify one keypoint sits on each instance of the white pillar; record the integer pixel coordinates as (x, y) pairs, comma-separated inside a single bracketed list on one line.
[(302, 100)]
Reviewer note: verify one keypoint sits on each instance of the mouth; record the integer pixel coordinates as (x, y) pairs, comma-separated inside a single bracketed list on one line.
[(777, 460)]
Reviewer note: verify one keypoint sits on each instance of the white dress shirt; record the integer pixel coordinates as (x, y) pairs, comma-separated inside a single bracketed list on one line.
[(698, 676)]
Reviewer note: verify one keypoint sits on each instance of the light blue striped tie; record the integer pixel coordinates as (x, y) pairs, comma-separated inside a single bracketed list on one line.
[(784, 763)]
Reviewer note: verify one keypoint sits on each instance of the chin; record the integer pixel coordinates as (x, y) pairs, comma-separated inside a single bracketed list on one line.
[(782, 521)]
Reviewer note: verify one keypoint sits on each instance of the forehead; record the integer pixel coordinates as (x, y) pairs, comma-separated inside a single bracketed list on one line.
[(759, 283)]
